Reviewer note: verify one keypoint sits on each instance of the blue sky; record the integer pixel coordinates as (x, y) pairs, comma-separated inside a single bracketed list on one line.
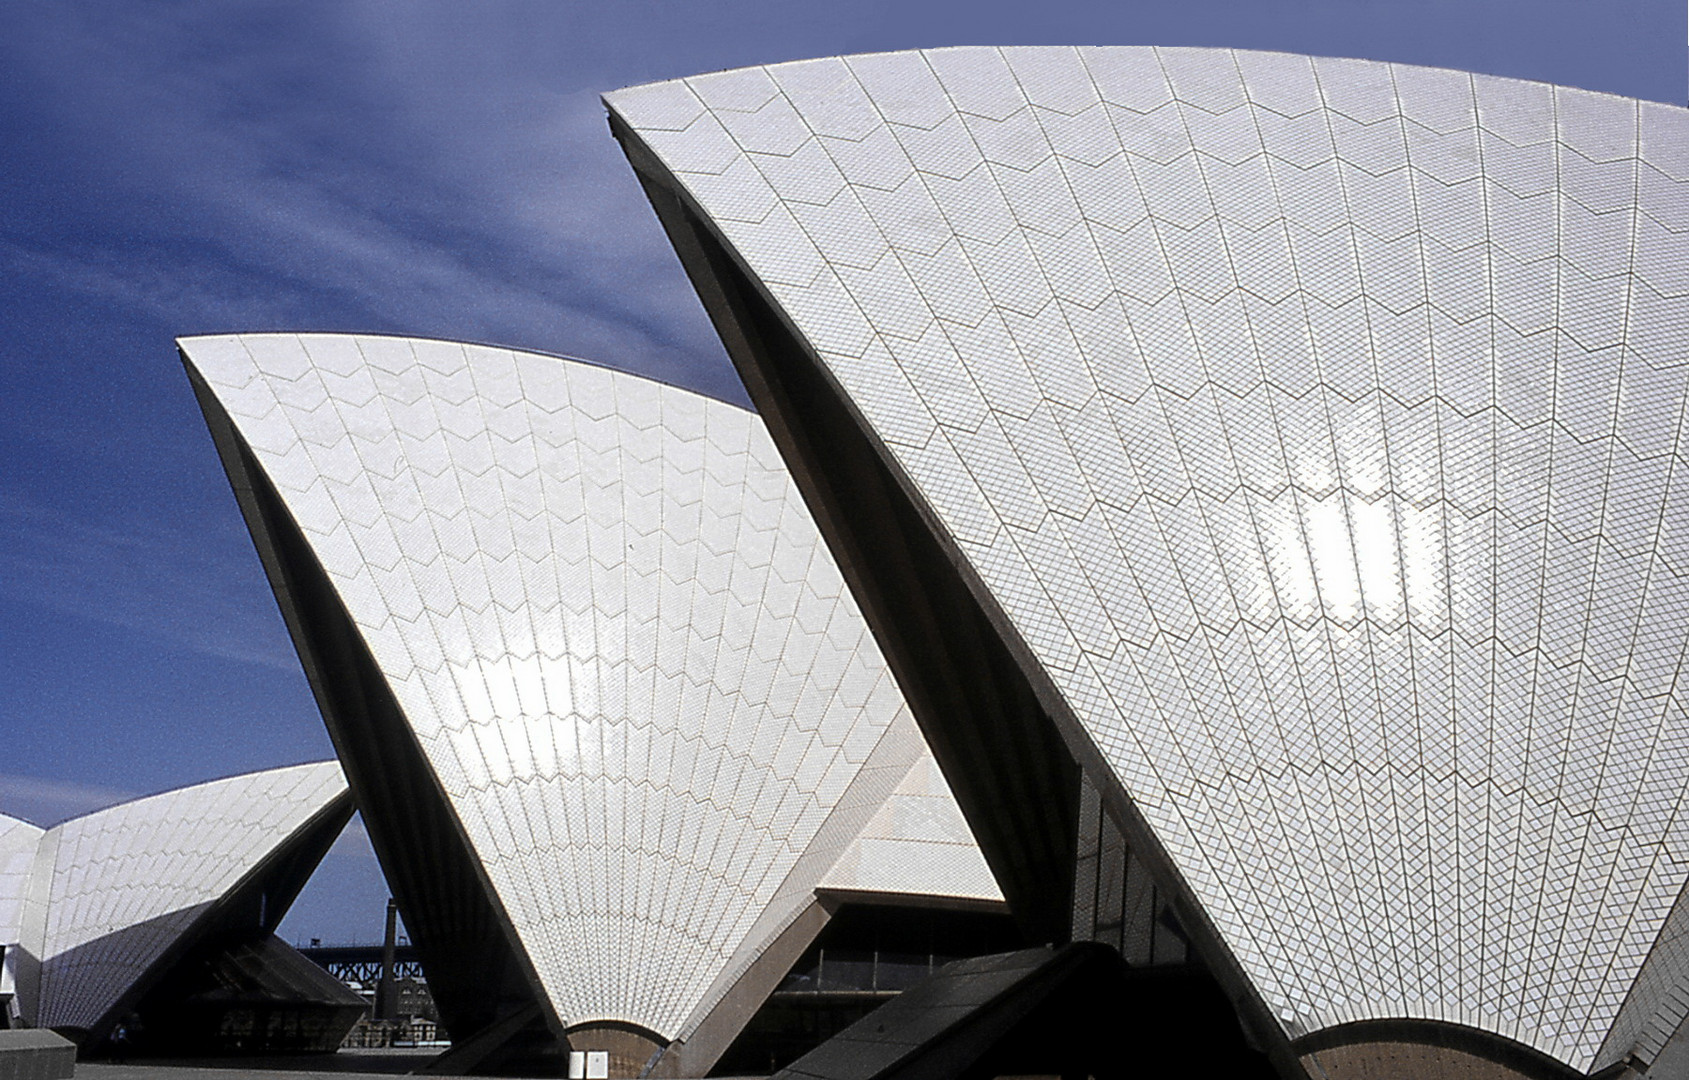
[(428, 169)]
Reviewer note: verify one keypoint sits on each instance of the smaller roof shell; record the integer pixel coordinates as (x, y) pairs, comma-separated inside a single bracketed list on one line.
[(916, 844), (101, 898)]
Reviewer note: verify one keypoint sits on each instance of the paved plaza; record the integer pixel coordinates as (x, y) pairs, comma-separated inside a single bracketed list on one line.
[(345, 1065)]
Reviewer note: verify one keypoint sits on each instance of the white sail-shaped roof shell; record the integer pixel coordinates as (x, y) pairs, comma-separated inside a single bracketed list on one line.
[(609, 621), (1316, 424), (117, 889)]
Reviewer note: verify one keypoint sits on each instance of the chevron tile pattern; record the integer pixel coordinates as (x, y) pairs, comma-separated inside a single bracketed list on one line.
[(611, 624), (1317, 423)]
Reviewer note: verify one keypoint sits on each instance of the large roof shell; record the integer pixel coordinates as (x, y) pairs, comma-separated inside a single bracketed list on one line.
[(612, 628), (1316, 424)]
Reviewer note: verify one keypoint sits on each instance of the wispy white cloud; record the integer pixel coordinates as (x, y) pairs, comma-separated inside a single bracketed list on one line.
[(47, 802), (389, 172), (143, 575)]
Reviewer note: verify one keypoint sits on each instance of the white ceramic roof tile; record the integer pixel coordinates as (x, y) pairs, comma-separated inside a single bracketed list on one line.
[(1443, 325), (608, 616), (128, 880), (915, 843), (18, 842)]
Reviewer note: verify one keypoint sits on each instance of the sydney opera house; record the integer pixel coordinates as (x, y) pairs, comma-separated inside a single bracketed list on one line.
[(1218, 508)]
